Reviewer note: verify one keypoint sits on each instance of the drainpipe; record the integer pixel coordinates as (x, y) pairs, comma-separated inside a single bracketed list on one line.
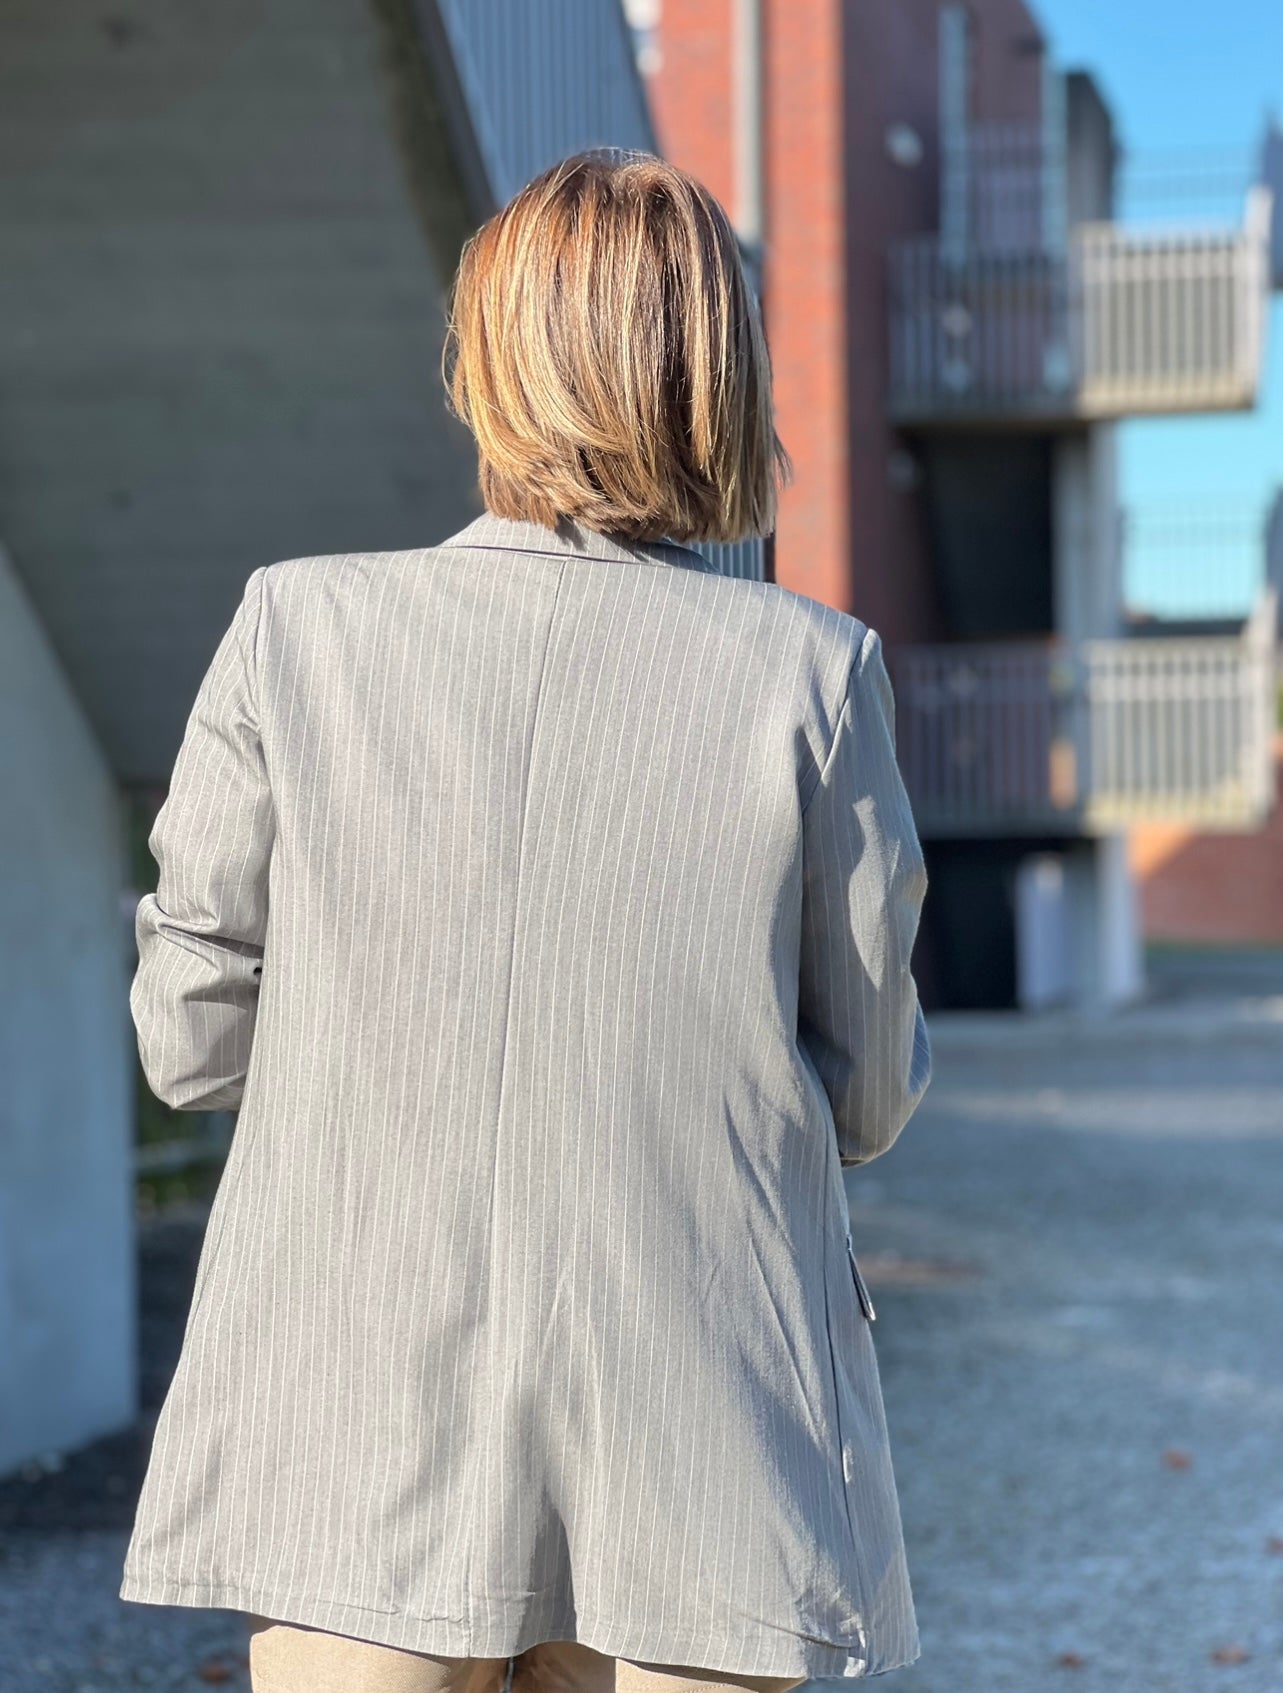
[(749, 210), (955, 109), (749, 193)]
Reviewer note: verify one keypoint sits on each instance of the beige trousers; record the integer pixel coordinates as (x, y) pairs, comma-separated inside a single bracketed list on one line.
[(287, 1658)]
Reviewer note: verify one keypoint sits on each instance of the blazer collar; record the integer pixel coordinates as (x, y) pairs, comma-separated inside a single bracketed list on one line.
[(507, 534)]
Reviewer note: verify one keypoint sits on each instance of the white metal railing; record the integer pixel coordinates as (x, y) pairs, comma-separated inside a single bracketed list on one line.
[(1171, 320), (1194, 560), (1182, 728), (1031, 737), (1160, 305), (1121, 321)]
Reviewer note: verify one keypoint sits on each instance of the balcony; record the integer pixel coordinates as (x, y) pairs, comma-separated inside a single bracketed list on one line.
[(1017, 312), (1052, 737)]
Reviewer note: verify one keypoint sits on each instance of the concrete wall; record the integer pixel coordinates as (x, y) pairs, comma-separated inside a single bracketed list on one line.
[(67, 1277), (226, 318)]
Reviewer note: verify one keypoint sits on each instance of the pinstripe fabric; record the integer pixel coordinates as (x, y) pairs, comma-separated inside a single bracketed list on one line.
[(544, 902)]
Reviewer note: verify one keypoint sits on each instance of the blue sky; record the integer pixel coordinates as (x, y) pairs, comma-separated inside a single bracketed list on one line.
[(1177, 74)]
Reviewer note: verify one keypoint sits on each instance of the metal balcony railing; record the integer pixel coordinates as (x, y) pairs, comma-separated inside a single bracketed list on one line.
[(543, 79), (1053, 737), (982, 333), (1185, 187), (1171, 320), (1182, 729), (1015, 309), (1006, 178), (1119, 323), (1194, 562), (985, 735)]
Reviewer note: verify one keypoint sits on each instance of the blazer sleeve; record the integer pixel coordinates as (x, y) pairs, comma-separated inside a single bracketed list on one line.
[(194, 996), (864, 880)]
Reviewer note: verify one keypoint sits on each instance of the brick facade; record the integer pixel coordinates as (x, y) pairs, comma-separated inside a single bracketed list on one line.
[(1218, 889), (836, 77), (691, 92)]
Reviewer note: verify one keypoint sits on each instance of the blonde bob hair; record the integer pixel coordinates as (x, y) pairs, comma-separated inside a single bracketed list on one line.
[(607, 353)]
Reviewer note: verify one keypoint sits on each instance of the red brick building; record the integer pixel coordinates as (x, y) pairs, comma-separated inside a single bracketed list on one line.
[(953, 310), (1223, 889), (848, 93)]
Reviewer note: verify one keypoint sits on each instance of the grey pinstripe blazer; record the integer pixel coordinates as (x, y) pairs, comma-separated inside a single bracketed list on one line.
[(544, 903)]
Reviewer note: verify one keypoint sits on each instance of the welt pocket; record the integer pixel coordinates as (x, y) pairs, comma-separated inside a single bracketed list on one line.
[(862, 1292)]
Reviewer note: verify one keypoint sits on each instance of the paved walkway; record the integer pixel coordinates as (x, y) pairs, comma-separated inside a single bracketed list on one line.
[(1076, 1250)]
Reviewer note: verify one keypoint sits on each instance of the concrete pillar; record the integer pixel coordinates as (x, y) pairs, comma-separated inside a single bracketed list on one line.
[(68, 1366), (1087, 554), (1106, 967), (1043, 958), (1101, 904)]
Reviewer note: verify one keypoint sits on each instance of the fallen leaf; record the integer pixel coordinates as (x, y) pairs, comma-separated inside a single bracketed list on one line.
[(1231, 1655), (212, 1670), (1071, 1660), (1177, 1458), (1274, 1543)]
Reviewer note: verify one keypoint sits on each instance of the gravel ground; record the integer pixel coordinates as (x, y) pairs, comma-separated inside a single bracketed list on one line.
[(1079, 1246), (63, 1532), (1076, 1251)]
